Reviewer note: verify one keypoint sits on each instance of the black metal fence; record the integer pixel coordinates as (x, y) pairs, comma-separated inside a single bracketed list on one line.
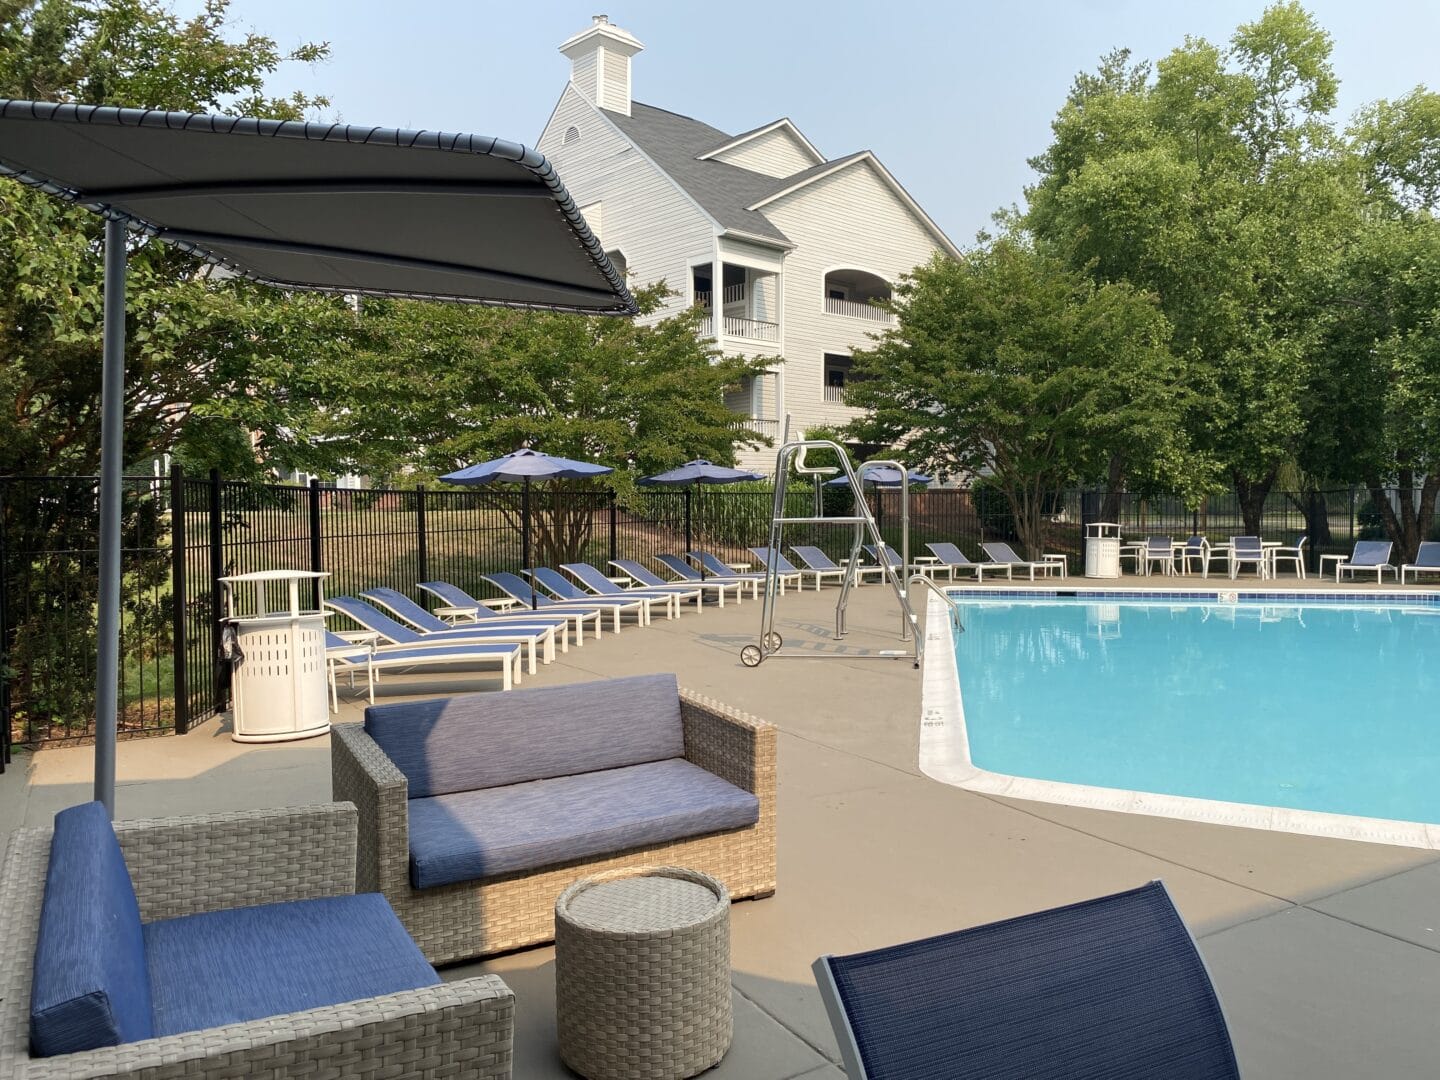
[(184, 533)]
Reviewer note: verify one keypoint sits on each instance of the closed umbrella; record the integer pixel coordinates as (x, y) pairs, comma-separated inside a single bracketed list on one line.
[(521, 467), (884, 476), (693, 474)]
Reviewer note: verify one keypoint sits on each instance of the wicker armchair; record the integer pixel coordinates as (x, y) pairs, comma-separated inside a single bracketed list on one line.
[(479, 918), (184, 865)]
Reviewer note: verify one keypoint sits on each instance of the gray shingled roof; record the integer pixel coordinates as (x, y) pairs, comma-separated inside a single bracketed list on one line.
[(674, 142)]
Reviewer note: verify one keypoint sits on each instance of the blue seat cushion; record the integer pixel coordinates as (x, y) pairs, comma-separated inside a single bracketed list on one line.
[(90, 987), (473, 835), (474, 741), (227, 967)]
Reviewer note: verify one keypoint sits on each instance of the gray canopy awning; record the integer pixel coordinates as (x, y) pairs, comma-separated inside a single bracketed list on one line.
[(326, 207)]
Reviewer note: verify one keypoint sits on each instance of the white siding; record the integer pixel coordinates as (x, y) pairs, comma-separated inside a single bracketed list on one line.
[(849, 219), (615, 82), (584, 73), (776, 153), (657, 227)]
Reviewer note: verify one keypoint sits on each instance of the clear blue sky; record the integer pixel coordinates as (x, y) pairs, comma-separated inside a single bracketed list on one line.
[(953, 97)]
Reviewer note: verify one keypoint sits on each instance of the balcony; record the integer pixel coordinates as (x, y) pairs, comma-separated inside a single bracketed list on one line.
[(835, 395), (759, 425), (751, 329), (857, 310)]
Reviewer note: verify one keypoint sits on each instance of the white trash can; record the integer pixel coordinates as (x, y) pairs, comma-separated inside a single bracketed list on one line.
[(1102, 550), (278, 689)]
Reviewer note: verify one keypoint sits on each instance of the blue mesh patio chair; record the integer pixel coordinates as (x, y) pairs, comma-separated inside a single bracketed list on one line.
[(1290, 553), (816, 559), (391, 632), (352, 657), (1195, 555), (953, 559), (1160, 549), (455, 600), (517, 588), (683, 571), (1368, 555), (1004, 554), (593, 578), (641, 575), (1111, 988), (1248, 549), (789, 572), (566, 590), (1427, 560), (414, 615)]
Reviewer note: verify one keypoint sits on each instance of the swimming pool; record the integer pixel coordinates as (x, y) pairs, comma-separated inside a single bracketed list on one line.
[(1311, 715)]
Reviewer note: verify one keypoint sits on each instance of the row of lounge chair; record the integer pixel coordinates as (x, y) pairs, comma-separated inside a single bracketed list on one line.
[(399, 632), (944, 556)]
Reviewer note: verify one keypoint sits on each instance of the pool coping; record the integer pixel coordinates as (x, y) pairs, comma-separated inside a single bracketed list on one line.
[(944, 751)]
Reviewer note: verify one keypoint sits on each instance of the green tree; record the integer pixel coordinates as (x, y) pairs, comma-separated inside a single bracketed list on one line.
[(1006, 364), (192, 338), (1375, 402), (1217, 182), (429, 388)]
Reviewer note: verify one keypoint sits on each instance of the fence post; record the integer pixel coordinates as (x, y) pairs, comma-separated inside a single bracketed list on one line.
[(1352, 517), (180, 645), (317, 551), (422, 555), (613, 520), (217, 571)]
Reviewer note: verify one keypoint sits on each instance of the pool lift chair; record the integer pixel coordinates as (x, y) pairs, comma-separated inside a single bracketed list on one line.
[(862, 525)]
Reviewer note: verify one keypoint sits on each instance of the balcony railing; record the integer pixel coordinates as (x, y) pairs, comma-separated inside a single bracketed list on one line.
[(857, 310), (732, 294), (753, 329), (759, 425), (835, 394)]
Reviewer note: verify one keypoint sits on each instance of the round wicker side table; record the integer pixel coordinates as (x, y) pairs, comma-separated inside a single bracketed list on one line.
[(642, 973)]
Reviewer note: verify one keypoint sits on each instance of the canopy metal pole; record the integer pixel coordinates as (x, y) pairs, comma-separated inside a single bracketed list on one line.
[(112, 449)]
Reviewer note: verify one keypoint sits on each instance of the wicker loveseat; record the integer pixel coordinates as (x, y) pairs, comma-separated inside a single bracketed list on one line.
[(169, 928), (476, 811)]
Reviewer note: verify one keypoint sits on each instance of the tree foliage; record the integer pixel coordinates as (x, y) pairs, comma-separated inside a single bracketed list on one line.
[(193, 340), (1008, 364), (1216, 182)]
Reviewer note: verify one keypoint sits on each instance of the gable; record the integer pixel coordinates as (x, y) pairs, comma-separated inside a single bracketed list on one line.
[(779, 151)]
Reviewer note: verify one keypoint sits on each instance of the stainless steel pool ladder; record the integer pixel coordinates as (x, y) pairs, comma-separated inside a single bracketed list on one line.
[(862, 522)]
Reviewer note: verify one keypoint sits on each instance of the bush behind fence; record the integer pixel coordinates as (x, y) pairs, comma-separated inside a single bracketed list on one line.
[(181, 534)]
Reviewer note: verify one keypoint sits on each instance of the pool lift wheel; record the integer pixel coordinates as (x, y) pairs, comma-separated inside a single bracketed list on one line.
[(861, 523)]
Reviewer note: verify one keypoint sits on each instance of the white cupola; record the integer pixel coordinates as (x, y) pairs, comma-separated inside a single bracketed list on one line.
[(600, 63)]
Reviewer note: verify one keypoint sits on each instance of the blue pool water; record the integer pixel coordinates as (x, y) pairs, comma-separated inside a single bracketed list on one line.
[(1329, 708)]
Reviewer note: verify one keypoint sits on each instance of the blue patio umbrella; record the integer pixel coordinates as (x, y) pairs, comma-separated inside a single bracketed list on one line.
[(884, 476), (521, 467), (692, 474)]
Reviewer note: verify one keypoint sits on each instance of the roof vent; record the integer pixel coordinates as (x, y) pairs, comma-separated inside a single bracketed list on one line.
[(572, 135)]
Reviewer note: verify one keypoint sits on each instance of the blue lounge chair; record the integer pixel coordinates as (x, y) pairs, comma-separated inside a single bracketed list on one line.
[(713, 565), (408, 611), (1003, 553), (953, 559), (1427, 560), (562, 588), (516, 587), (395, 633), (462, 603), (785, 570), (816, 559), (687, 573), (1368, 555), (642, 576), (347, 654), (593, 578), (1112, 987), (885, 553)]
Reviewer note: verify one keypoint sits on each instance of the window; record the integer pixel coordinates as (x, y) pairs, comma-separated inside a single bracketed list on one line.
[(837, 376), (835, 293)]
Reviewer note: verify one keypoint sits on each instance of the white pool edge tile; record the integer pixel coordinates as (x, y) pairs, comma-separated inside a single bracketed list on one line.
[(944, 756)]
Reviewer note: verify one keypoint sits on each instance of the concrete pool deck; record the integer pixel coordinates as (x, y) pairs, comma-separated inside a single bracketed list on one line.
[(1326, 952)]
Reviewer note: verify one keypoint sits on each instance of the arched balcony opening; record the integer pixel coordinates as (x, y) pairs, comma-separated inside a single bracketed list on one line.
[(853, 292)]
